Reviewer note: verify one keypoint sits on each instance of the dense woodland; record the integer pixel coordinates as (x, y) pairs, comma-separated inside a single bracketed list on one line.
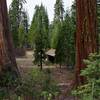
[(43, 60)]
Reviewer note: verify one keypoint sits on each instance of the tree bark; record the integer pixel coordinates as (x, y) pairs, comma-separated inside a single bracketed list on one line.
[(86, 33), (7, 58)]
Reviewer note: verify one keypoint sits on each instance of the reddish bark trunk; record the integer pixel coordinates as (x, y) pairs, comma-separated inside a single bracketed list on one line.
[(86, 33), (7, 58)]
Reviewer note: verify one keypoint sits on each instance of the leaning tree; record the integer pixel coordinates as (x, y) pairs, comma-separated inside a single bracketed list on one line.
[(86, 33), (7, 59)]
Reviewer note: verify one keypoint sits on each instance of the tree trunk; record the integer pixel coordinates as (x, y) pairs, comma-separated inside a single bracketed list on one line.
[(41, 65), (7, 58), (86, 33)]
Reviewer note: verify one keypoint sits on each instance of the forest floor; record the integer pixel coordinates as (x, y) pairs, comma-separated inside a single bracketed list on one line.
[(64, 77)]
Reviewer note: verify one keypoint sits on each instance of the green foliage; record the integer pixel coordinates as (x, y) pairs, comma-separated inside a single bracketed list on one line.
[(65, 49), (38, 84), (39, 37), (31, 84), (50, 88), (48, 96), (73, 13), (61, 46), (39, 26), (59, 10), (91, 89), (54, 36), (58, 18), (8, 85), (70, 39), (16, 17), (21, 36), (63, 34), (25, 24)]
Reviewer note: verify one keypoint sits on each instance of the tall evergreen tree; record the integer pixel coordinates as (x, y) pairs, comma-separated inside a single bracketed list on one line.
[(39, 46), (58, 17), (70, 39), (45, 26), (59, 10), (15, 12), (25, 24), (21, 36), (39, 33), (25, 20), (61, 46), (54, 35), (32, 30), (65, 50), (73, 13)]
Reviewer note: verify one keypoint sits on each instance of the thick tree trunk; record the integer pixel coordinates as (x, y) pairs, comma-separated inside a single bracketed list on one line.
[(7, 58), (86, 33)]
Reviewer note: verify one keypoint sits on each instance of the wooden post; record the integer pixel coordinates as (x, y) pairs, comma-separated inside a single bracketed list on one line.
[(86, 33), (7, 58)]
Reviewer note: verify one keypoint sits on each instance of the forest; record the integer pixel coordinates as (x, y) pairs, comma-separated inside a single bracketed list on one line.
[(50, 60)]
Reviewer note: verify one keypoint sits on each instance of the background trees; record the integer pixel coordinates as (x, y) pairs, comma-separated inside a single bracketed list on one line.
[(58, 17), (70, 39), (65, 47), (17, 16), (21, 36), (86, 40), (39, 33), (65, 50), (61, 46)]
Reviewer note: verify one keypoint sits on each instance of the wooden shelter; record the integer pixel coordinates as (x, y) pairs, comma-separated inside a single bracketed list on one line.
[(51, 55)]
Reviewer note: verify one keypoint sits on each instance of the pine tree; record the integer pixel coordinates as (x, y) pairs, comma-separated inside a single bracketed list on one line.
[(59, 10), (39, 32), (15, 12), (39, 41), (65, 50), (58, 17), (33, 28), (61, 46), (54, 35), (21, 36), (25, 24), (45, 26), (70, 39), (73, 13)]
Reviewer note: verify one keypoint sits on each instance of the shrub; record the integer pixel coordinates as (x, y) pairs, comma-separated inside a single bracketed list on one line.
[(8, 85), (91, 89), (36, 84)]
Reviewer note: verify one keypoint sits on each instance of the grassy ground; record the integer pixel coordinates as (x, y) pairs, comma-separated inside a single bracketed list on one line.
[(63, 76)]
